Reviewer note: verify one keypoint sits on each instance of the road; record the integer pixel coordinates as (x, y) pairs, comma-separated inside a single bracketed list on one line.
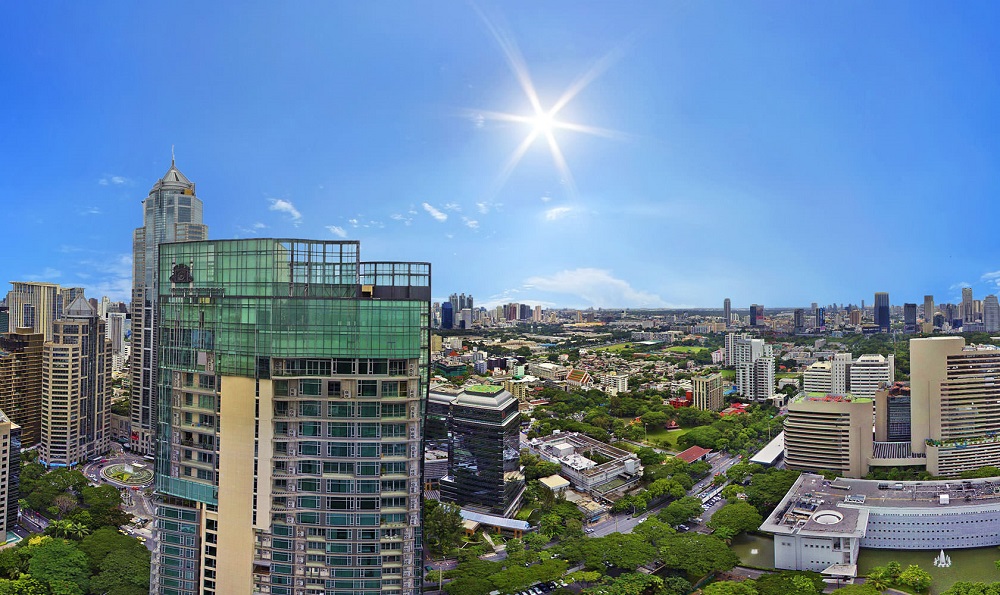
[(134, 501)]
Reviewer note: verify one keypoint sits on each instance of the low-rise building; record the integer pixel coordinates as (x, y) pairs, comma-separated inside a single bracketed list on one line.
[(571, 451)]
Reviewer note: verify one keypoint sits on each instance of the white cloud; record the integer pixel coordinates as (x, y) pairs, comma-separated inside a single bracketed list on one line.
[(91, 211), (434, 212), (338, 231), (47, 274), (991, 277), (259, 225), (595, 287), (470, 223), (114, 274), (452, 206), (400, 217), (545, 198), (486, 207), (285, 206), (109, 180), (557, 213)]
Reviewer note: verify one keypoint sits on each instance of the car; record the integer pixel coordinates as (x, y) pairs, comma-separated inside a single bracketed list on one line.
[(428, 568), (588, 530), (699, 520), (141, 539)]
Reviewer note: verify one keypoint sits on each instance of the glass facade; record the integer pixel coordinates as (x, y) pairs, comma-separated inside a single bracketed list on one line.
[(484, 451), (338, 351)]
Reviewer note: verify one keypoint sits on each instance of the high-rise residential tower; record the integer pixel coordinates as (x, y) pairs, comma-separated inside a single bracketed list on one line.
[(21, 381), (10, 472), (707, 392), (727, 312), (882, 311), (76, 388), (293, 382), (171, 213)]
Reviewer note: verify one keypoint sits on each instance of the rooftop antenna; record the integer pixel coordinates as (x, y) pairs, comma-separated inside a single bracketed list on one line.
[(171, 155)]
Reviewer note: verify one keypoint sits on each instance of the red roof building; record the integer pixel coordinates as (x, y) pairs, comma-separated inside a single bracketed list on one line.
[(695, 453)]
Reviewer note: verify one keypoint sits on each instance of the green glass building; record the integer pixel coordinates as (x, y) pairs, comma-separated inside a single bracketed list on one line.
[(292, 384)]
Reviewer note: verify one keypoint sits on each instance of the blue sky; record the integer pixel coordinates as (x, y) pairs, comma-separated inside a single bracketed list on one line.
[(772, 152)]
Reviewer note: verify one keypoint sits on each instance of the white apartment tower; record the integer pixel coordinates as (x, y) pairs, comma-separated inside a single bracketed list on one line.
[(868, 372)]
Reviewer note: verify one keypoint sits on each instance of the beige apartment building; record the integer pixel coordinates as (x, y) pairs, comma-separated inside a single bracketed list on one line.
[(829, 433), (76, 388), (955, 404), (21, 381), (707, 392)]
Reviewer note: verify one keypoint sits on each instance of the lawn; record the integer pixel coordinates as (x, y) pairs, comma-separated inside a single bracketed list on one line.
[(686, 349), (616, 348), (728, 374), (665, 438)]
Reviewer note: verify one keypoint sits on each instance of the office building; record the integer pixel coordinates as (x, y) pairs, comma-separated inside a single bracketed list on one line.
[(799, 320), (707, 392), (909, 318), (4, 319), (311, 367), (829, 433), (955, 404), (447, 316), (484, 452), (35, 306), (968, 306), (727, 312), (21, 381), (892, 414), (882, 311), (820, 315), (991, 314), (76, 388), (116, 331), (869, 372), (855, 317), (928, 313), (172, 212), (10, 473)]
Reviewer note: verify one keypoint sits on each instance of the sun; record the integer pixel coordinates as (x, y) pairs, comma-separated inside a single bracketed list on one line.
[(542, 122)]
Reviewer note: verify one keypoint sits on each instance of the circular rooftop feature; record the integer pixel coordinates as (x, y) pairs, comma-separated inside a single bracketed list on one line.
[(827, 517)]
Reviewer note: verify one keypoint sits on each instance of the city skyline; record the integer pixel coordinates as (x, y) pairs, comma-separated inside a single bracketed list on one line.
[(716, 126)]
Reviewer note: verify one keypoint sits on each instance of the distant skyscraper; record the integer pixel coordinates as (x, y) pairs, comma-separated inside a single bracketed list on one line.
[(753, 314), (447, 316), (910, 318), (820, 317), (727, 311), (171, 213), (76, 388), (35, 306), (882, 311), (929, 309), (991, 314), (968, 307), (799, 319)]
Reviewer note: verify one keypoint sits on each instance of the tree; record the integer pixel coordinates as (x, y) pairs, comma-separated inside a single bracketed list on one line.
[(878, 578), (442, 528), (631, 583), (697, 554), (730, 588), (916, 577), (790, 583), (64, 503), (584, 577), (60, 566), (682, 510), (737, 516), (123, 572), (768, 488), (894, 569)]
